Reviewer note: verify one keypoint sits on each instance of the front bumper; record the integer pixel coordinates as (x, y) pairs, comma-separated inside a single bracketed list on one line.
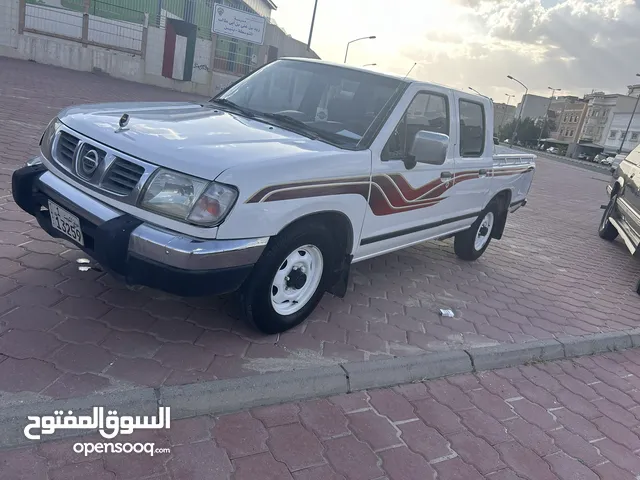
[(134, 251)]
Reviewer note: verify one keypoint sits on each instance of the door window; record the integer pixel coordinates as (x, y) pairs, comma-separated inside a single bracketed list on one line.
[(427, 111), (472, 129)]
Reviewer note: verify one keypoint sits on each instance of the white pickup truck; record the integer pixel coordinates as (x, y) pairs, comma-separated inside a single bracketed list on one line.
[(274, 187)]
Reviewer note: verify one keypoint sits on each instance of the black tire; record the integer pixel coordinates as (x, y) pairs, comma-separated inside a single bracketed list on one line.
[(638, 287), (464, 243), (606, 230), (255, 296)]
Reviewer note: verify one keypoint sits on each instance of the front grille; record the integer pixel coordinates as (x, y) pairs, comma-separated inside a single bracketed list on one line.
[(89, 160), (66, 148), (122, 177)]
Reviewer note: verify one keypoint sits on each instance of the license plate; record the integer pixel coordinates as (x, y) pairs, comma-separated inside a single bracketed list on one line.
[(65, 222)]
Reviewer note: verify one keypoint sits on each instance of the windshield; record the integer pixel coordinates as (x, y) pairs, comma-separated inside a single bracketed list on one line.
[(338, 104)]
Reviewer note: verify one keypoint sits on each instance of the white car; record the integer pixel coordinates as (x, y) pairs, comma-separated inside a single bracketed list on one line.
[(276, 186)]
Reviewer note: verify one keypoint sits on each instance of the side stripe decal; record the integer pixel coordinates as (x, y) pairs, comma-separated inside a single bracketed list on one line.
[(387, 194)]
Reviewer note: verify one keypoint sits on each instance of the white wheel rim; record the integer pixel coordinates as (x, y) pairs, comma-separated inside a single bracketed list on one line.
[(296, 280), (484, 231)]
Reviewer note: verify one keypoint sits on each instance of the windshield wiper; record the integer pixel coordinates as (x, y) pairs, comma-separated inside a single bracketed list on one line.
[(228, 103), (299, 125)]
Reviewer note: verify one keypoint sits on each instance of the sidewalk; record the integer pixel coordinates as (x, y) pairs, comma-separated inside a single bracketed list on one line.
[(563, 420)]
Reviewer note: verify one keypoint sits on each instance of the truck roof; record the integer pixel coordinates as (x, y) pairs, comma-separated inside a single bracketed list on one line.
[(362, 69)]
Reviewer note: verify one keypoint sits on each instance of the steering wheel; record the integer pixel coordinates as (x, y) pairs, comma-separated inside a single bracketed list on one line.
[(297, 114)]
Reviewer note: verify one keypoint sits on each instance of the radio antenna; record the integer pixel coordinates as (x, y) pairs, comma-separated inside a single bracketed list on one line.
[(414, 65)]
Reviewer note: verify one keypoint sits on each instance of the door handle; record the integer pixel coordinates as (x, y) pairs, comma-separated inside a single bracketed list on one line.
[(446, 175), (482, 172)]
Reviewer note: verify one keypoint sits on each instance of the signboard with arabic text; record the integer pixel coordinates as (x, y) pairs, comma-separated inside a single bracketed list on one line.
[(234, 23)]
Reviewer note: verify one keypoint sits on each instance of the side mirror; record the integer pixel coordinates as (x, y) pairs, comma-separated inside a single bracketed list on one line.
[(496, 141), (430, 147)]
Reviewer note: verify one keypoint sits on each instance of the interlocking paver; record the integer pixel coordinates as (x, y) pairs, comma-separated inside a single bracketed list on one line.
[(373, 429), (241, 435), (352, 458), (295, 446)]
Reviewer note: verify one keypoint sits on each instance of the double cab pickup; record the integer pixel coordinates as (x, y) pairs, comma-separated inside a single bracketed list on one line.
[(275, 186)]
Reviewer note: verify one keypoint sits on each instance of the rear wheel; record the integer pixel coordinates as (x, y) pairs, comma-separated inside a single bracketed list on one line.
[(290, 278), (471, 244), (606, 229)]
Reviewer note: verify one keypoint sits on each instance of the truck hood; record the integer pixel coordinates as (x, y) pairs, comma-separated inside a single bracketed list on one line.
[(193, 138)]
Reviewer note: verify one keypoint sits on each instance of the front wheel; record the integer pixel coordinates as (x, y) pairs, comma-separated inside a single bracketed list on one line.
[(606, 229), (471, 244), (290, 279)]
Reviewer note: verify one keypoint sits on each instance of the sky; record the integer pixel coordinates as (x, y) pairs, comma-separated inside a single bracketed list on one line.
[(574, 45)]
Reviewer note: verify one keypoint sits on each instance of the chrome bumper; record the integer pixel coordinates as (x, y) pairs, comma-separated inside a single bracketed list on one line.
[(154, 243)]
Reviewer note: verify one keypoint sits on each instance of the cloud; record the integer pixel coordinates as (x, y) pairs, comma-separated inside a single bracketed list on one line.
[(576, 45)]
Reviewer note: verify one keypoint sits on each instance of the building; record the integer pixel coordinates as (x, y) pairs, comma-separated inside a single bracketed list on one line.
[(196, 46), (602, 108), (533, 106), (565, 119), (619, 124), (570, 113), (502, 115), (239, 57), (634, 90)]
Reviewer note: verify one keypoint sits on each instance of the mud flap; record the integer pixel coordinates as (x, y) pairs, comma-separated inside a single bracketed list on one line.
[(341, 278), (501, 223)]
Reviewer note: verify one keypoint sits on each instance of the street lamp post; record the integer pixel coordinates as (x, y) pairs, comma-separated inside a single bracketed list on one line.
[(504, 113), (546, 115), (313, 21), (526, 91), (356, 40), (476, 91), (626, 132)]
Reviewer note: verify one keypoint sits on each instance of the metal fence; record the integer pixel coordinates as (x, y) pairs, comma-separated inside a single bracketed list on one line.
[(106, 25), (199, 12), (52, 20), (120, 24)]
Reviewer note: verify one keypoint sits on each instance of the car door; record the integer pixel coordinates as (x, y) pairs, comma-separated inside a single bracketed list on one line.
[(629, 201), (474, 156), (408, 202)]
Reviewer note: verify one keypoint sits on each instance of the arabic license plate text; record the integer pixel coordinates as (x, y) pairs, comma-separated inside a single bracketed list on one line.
[(66, 223)]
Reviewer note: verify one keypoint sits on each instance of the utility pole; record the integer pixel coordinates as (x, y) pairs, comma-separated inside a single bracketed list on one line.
[(504, 113), (313, 21), (524, 99)]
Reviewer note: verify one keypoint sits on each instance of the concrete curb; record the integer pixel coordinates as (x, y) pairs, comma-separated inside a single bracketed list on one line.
[(226, 396), (221, 396), (396, 371), (512, 354)]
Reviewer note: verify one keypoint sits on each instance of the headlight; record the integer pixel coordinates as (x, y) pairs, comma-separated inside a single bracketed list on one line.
[(46, 141), (188, 198)]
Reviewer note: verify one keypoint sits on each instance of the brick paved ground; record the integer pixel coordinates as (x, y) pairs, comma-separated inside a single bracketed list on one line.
[(64, 333), (569, 420)]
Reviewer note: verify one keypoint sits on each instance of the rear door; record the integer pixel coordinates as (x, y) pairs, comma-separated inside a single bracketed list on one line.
[(474, 155)]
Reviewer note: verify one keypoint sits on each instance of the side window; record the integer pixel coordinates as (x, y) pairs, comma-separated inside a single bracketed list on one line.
[(472, 129), (427, 111)]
